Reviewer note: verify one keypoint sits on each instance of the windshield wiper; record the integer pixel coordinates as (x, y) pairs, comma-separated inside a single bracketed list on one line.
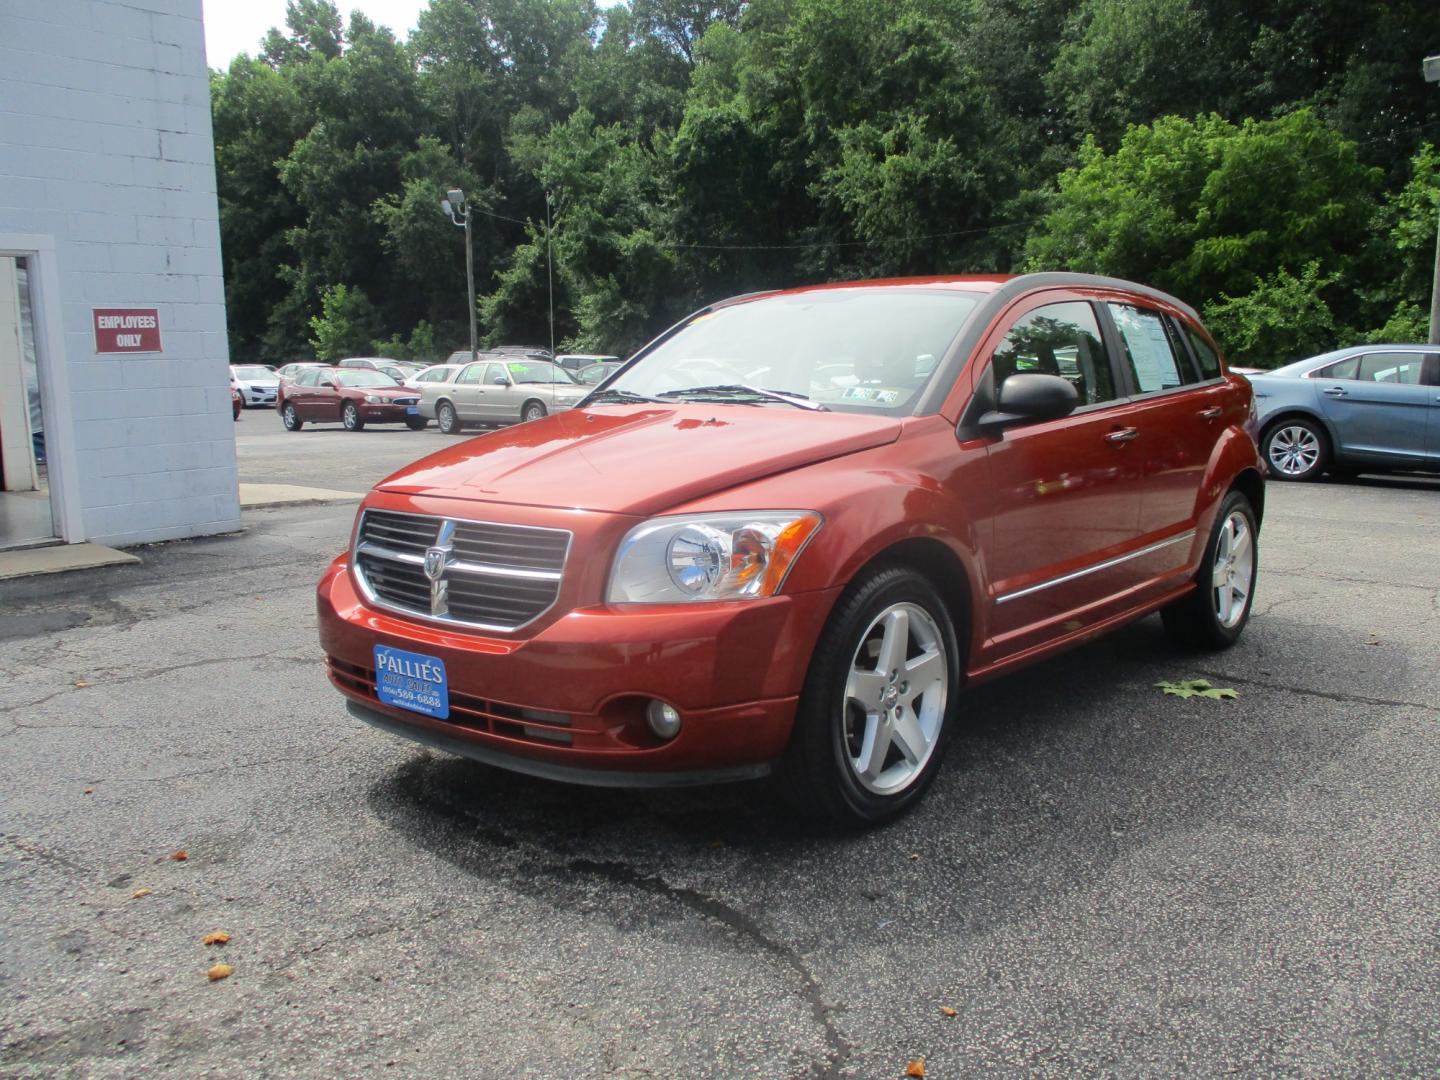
[(724, 391), (624, 396)]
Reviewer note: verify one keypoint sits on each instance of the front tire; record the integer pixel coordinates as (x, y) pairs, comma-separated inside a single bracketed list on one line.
[(416, 423), (870, 730), (1296, 449), (350, 417), (448, 421), (290, 418), (533, 410), (1212, 617)]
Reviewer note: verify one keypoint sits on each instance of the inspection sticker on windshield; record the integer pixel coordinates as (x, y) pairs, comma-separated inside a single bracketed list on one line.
[(412, 681)]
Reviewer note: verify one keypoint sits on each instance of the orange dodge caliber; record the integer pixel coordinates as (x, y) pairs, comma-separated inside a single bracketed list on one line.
[(785, 535)]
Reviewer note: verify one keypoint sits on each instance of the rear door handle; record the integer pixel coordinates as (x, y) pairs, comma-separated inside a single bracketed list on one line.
[(1120, 436), (1335, 391), (1212, 413)]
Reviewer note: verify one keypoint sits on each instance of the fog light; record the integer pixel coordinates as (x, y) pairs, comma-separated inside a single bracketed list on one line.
[(664, 721)]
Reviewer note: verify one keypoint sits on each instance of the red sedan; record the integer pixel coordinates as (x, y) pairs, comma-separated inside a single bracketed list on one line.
[(792, 531), (353, 396)]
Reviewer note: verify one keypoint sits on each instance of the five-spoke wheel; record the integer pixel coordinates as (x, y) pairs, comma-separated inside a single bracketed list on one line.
[(1213, 615), (895, 698), (870, 728)]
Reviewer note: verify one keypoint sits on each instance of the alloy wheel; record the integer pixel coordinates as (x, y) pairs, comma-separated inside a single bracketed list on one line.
[(895, 698), (1233, 575), (1294, 450)]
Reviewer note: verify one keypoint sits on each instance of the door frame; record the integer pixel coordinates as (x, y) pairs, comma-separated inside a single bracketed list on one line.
[(46, 309)]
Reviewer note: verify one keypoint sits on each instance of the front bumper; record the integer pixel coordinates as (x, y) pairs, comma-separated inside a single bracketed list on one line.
[(569, 701), (387, 413)]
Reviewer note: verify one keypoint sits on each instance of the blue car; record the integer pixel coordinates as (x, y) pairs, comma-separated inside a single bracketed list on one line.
[(1370, 408)]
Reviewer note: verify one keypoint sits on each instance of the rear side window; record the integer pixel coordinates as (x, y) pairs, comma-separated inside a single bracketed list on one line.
[(1345, 369), (1058, 339), (1150, 350), (1205, 356), (471, 374), (1391, 368), (308, 377)]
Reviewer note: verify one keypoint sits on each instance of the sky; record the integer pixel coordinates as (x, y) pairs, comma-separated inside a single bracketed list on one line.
[(233, 27)]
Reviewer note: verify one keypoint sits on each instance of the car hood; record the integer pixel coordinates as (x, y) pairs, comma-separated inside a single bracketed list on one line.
[(637, 459)]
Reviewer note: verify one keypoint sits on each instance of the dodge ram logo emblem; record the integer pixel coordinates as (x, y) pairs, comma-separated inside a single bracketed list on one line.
[(435, 562)]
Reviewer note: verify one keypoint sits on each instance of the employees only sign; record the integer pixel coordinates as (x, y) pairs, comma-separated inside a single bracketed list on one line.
[(127, 330)]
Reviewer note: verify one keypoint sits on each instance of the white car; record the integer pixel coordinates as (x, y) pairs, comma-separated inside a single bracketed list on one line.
[(433, 374), (257, 383)]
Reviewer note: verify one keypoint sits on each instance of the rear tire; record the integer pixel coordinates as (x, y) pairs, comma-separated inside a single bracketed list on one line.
[(447, 420), (1296, 449), (290, 418), (1212, 617), (871, 726), (350, 417)]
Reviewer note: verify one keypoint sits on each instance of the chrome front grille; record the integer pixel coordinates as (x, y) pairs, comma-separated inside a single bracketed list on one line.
[(471, 573)]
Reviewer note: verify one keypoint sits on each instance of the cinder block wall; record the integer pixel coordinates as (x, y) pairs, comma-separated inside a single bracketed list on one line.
[(106, 146)]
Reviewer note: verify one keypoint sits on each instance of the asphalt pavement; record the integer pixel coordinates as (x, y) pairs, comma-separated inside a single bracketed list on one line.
[(1103, 881)]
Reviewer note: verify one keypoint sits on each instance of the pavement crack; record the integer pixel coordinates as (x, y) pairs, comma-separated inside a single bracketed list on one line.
[(1327, 695), (274, 656), (717, 910), (27, 847)]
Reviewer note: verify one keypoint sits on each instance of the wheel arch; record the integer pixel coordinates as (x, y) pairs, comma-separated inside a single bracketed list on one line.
[(1250, 484), (1297, 412)]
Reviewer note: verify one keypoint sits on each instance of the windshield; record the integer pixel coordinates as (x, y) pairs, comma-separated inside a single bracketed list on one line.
[(362, 377), (537, 371), (869, 349), (253, 371)]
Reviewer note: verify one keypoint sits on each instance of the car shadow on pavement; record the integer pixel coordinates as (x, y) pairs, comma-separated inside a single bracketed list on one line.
[(1053, 778)]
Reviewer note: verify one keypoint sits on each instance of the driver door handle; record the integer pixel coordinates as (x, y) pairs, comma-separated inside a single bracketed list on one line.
[(1335, 391), (1212, 413), (1121, 436)]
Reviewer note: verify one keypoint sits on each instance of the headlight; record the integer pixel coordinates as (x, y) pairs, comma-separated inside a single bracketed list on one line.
[(374, 399), (679, 560)]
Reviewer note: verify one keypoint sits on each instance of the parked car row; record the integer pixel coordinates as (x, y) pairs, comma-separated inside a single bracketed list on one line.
[(504, 385)]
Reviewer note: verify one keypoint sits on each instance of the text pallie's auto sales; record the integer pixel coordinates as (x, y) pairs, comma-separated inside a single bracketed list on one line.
[(126, 330)]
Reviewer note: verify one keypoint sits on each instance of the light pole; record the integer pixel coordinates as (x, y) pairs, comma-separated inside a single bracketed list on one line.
[(454, 205), (550, 274), (1431, 68)]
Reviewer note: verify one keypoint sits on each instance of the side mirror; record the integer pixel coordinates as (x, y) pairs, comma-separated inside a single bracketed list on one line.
[(1031, 397), (330, 384), (501, 380)]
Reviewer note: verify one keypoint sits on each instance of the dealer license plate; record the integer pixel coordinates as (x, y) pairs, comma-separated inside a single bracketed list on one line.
[(412, 410), (412, 681)]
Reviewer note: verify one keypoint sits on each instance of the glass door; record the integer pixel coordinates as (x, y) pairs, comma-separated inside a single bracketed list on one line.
[(26, 514)]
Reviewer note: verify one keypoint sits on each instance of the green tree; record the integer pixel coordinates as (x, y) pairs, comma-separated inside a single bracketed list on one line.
[(1204, 208), (348, 322), (1283, 318)]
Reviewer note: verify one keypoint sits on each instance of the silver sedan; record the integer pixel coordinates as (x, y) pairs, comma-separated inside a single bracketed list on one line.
[(499, 391), (1369, 408)]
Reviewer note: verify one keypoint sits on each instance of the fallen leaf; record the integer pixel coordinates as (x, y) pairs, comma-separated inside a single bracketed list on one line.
[(914, 855), (1189, 688), (81, 684), (220, 971), (88, 791), (138, 893), (180, 856), (915, 1068), (948, 1011), (219, 937)]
